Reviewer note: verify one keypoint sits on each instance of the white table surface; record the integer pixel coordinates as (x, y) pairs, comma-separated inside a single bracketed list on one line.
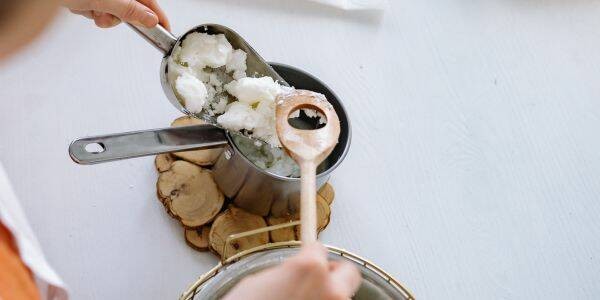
[(474, 170)]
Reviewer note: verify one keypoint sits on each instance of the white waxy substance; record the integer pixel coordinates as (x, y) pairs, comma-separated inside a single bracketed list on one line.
[(251, 90), (311, 113), (199, 53), (193, 92), (218, 107), (239, 116), (266, 129), (271, 159), (258, 94), (200, 50), (283, 164), (253, 108), (237, 64)]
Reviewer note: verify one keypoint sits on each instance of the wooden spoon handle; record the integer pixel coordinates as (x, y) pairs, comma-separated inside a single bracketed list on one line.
[(308, 207), (307, 147)]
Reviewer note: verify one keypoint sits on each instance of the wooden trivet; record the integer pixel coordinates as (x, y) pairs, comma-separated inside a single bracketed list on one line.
[(190, 195)]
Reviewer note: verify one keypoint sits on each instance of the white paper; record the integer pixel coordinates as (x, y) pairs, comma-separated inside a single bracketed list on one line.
[(355, 4)]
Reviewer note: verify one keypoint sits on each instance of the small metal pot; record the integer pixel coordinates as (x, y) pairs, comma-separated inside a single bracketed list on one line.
[(264, 193), (250, 187)]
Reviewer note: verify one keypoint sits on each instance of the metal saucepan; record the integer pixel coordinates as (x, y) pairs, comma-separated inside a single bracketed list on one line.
[(250, 187)]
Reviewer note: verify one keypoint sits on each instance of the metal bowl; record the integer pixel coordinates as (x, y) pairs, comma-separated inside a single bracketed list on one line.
[(376, 284)]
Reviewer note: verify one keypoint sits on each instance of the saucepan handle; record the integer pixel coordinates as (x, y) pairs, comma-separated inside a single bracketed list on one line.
[(106, 148), (158, 36)]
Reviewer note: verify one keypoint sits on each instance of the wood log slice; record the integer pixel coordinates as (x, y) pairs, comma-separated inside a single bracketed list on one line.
[(327, 192), (163, 162), (198, 238), (190, 193), (284, 234), (232, 221), (200, 157), (164, 202)]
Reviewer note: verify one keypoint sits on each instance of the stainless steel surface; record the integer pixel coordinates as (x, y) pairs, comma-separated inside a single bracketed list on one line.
[(265, 193), (119, 146), (256, 190), (257, 66), (165, 41), (158, 36), (150, 142), (250, 187), (376, 284)]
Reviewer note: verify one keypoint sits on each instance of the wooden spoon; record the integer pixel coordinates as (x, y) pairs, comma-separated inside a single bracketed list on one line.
[(308, 148)]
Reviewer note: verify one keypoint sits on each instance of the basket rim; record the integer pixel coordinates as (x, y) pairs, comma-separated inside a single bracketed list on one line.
[(196, 286)]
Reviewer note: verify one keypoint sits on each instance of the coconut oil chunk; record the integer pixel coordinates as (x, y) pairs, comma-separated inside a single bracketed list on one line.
[(193, 92), (212, 61), (200, 50)]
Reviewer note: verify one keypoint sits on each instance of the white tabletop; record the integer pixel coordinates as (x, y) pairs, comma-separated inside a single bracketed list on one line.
[(474, 170)]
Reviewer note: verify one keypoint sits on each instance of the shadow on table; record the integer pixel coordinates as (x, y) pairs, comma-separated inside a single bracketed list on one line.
[(303, 7)]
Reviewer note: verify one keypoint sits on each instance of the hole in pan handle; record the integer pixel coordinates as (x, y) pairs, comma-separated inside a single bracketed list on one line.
[(95, 148)]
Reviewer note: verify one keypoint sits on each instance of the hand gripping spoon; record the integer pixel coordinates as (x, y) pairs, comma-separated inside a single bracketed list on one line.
[(308, 148)]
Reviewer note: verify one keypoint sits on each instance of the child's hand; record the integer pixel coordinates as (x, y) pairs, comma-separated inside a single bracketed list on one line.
[(109, 13), (307, 275)]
